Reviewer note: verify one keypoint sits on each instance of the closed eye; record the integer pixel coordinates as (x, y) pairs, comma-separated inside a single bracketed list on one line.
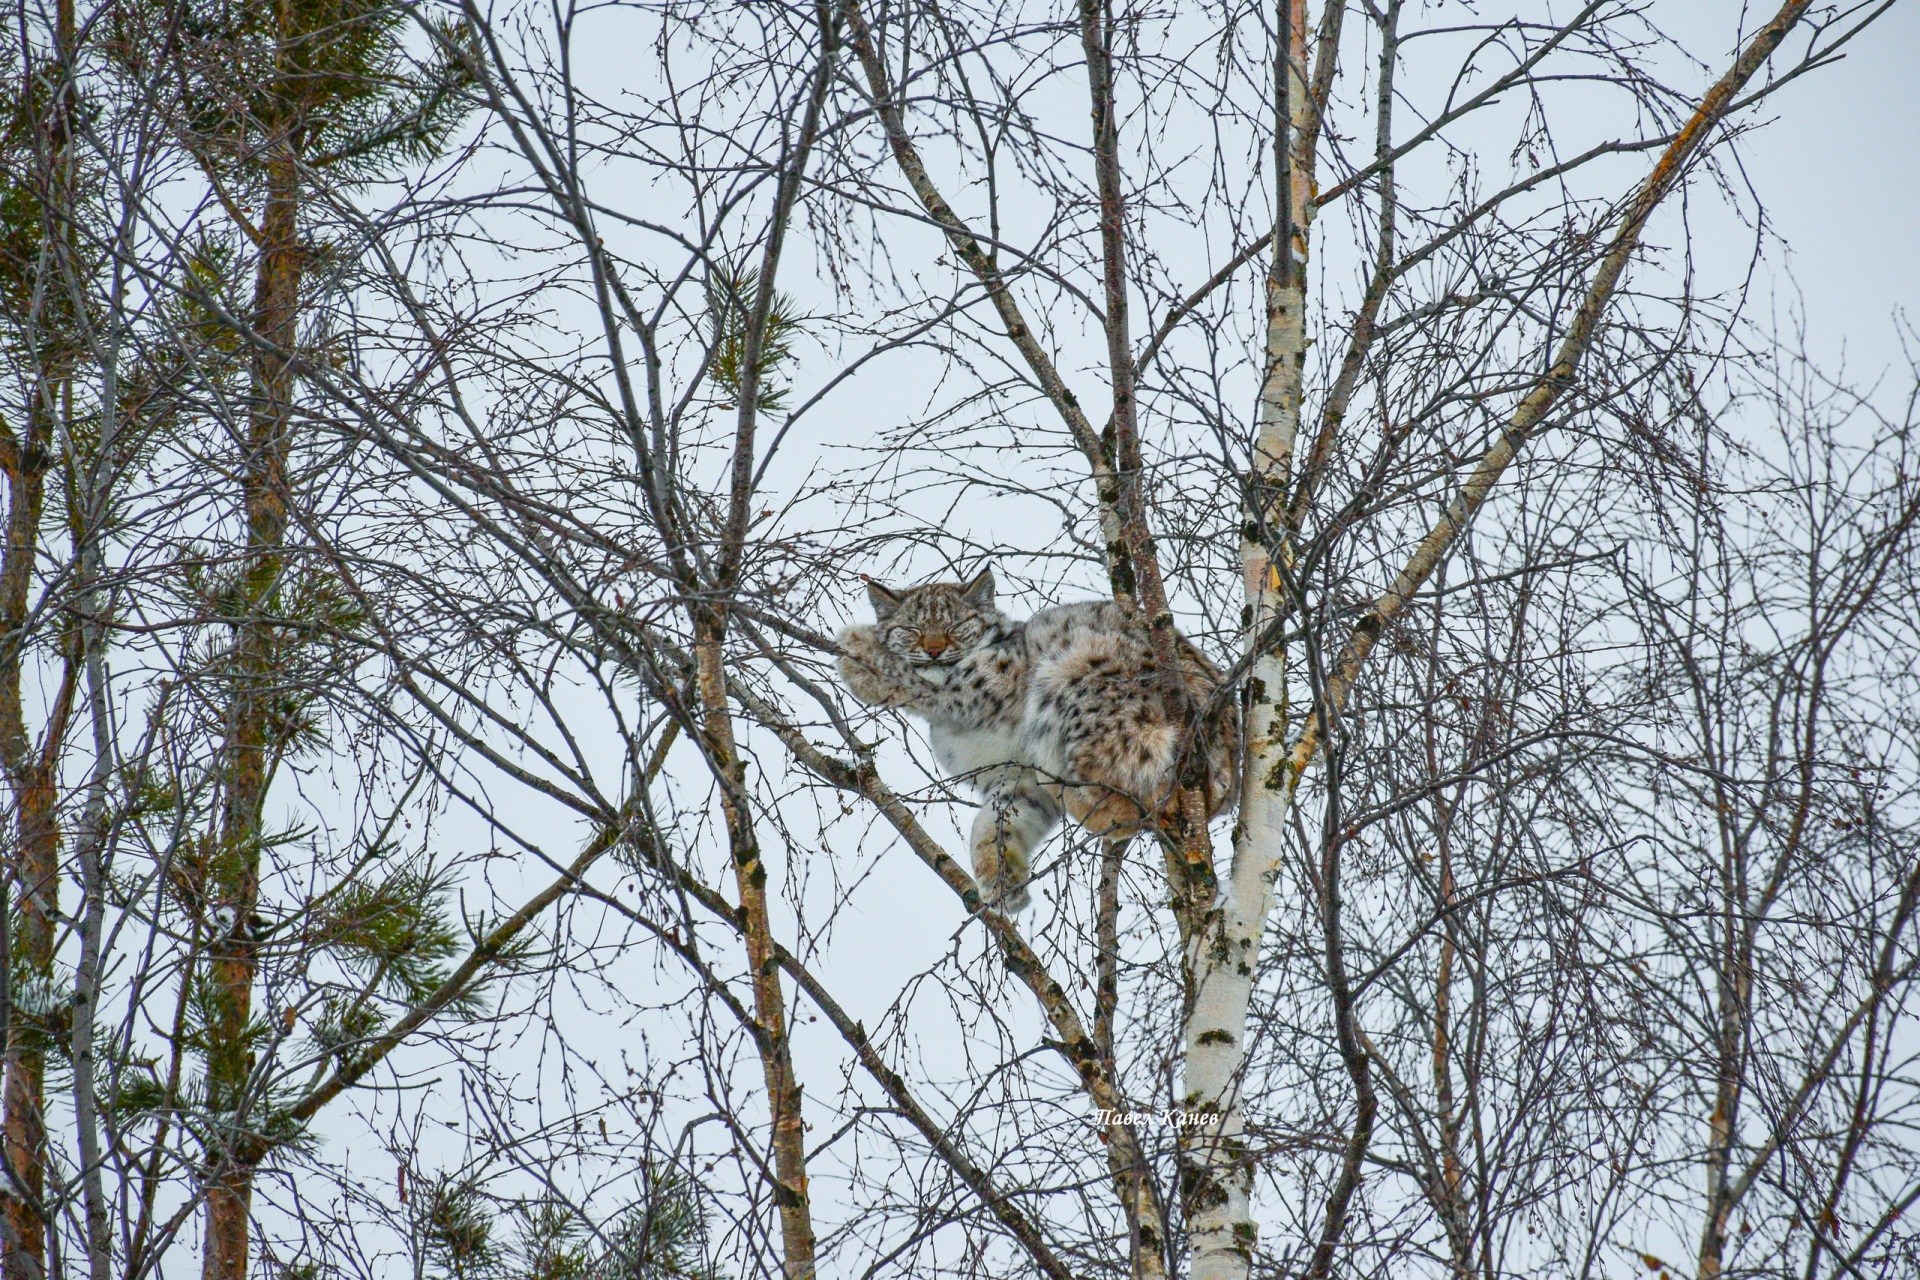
[(902, 638), (967, 632)]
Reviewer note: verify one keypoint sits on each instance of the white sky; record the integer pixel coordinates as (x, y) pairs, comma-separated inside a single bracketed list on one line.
[(1838, 171)]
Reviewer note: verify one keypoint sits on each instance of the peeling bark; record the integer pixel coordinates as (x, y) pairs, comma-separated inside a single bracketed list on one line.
[(1217, 1173)]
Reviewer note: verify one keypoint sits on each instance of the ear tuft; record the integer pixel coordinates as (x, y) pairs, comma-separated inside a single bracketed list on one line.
[(884, 598), (979, 592)]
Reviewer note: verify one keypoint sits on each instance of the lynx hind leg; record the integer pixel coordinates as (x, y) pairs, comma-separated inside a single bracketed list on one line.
[(1220, 732), (1118, 757), (1223, 761), (1104, 812), (1008, 827), (1098, 724)]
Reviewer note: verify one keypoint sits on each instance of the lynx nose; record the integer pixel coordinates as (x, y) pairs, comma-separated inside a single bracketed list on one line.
[(936, 645)]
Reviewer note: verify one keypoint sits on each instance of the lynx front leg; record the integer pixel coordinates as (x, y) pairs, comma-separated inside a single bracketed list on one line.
[(1007, 829)]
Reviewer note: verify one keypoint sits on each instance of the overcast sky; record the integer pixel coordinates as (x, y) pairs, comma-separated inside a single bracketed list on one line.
[(1838, 170)]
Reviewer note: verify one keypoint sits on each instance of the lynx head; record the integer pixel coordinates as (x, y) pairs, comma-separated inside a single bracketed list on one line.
[(936, 624)]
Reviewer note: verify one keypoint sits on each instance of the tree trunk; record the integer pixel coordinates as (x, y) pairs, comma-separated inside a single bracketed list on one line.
[(92, 856), (32, 773), (1449, 1199), (1217, 1177), (1732, 996), (234, 877), (769, 1002), (30, 973), (26, 966), (34, 873)]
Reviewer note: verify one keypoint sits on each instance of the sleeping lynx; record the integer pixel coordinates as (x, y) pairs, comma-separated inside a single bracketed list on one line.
[(1062, 712)]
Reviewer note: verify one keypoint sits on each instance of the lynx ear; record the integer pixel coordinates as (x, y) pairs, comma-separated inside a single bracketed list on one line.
[(885, 599), (979, 592)]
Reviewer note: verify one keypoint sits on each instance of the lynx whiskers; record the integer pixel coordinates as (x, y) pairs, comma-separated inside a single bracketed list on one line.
[(1063, 713)]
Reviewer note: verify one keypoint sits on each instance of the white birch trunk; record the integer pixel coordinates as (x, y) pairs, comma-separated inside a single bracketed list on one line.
[(1224, 963), (1224, 952)]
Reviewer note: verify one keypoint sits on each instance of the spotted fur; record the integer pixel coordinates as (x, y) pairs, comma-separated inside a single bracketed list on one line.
[(1062, 713)]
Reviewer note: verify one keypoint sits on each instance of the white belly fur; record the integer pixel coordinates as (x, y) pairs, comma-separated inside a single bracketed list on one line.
[(966, 753)]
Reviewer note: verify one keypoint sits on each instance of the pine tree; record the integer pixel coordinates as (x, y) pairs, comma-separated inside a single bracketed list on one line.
[(274, 101), (662, 1236), (44, 275)]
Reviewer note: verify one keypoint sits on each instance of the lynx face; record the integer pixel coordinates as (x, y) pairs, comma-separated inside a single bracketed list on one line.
[(936, 625)]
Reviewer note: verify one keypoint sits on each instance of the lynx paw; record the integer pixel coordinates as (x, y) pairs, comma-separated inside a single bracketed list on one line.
[(1011, 899), (859, 648), (862, 667), (1005, 883)]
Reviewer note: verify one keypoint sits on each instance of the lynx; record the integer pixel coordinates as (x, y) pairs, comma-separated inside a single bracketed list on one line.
[(1062, 713)]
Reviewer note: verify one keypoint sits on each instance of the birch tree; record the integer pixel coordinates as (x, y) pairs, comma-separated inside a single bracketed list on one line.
[(1280, 753)]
